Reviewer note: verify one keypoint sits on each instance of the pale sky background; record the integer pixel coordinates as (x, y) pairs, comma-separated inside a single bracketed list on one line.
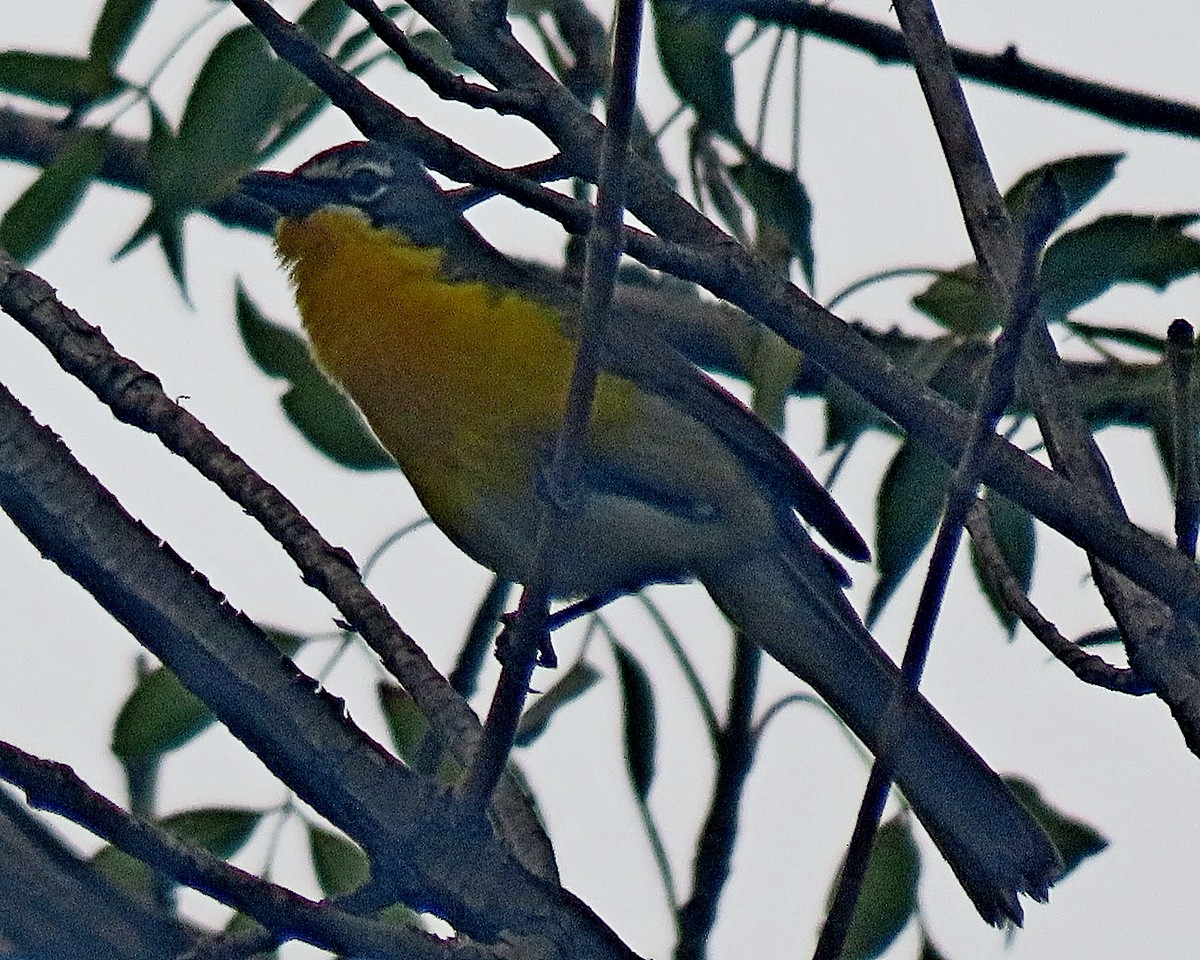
[(882, 199)]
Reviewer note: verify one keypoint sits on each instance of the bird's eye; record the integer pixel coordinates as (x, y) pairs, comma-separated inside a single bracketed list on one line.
[(364, 185)]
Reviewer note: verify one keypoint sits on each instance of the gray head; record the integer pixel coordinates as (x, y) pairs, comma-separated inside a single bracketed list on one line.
[(385, 182)]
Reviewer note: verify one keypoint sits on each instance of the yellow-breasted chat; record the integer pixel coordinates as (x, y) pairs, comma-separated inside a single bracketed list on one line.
[(459, 359)]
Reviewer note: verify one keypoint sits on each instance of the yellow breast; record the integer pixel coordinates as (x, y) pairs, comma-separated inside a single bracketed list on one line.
[(460, 381)]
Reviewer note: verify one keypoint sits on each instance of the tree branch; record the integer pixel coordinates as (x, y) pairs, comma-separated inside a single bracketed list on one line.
[(136, 397), (56, 787), (421, 851), (736, 743), (1000, 579), (1006, 70), (55, 904), (699, 252), (1164, 647)]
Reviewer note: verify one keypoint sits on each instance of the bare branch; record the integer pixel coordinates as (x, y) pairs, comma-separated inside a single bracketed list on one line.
[(528, 640), (1006, 70), (136, 397), (1000, 579), (56, 787), (1185, 423)]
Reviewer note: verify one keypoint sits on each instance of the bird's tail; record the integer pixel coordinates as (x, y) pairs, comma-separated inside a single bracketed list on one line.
[(787, 602)]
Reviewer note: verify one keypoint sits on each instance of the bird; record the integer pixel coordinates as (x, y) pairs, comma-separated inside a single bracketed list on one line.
[(459, 357)]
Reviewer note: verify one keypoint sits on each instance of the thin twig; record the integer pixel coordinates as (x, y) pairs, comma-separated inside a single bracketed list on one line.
[(56, 787), (1004, 585), (1044, 215), (1181, 357), (528, 637), (714, 852), (1006, 70), (447, 85)]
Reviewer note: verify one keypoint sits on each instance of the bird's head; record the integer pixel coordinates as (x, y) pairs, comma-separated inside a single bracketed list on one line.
[(385, 183)]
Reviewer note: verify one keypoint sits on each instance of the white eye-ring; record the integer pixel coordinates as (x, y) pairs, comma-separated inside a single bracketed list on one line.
[(367, 180), (363, 182), (363, 187)]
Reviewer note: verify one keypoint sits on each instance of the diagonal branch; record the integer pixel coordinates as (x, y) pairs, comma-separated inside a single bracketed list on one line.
[(997, 392), (1003, 583), (135, 396), (698, 251), (1007, 70), (420, 850), (56, 787), (1163, 643)]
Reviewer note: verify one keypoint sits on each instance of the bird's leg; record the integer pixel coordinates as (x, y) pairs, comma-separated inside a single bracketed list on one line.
[(569, 614), (546, 656), (590, 604)]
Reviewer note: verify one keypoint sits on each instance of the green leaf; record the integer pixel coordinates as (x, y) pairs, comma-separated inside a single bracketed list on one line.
[(167, 225), (275, 350), (240, 93), (222, 831), (285, 641), (910, 502), (847, 414), (241, 96), (165, 219), (401, 915), (339, 864), (408, 728), (958, 301), (1075, 840), (299, 100), (406, 723), (889, 893), (56, 78), (714, 175), (1100, 638), (1080, 179), (118, 23), (1013, 529), (323, 21), (569, 687), (773, 371), (1083, 264), (159, 716), (691, 51), (240, 924), (780, 202), (1124, 336), (321, 412), (435, 46), (637, 703), (326, 419), (30, 225), (128, 873)]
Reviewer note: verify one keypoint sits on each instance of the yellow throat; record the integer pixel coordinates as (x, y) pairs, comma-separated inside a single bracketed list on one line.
[(457, 379)]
